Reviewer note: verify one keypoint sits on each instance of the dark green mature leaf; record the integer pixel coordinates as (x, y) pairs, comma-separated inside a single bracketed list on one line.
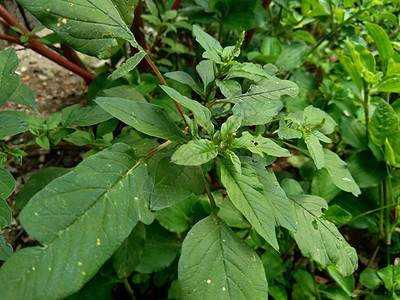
[(36, 183), (128, 66), (177, 217), (323, 241), (96, 28), (185, 78), (6, 250), (339, 173), (7, 184), (384, 123), (322, 185), (195, 153), (160, 249), (9, 82), (128, 255), (145, 117), (216, 264), (346, 283), (173, 183), (260, 145), (247, 194), (366, 174), (24, 96), (81, 219), (255, 112), (293, 55), (87, 116), (98, 288), (382, 42), (211, 45), (353, 132), (201, 113)]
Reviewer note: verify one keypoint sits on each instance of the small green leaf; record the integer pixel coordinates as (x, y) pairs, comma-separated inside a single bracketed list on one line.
[(201, 113), (337, 215), (390, 85), (246, 193), (260, 145), (322, 185), (11, 125), (339, 173), (145, 117), (9, 82), (185, 78), (5, 214), (24, 96), (382, 42), (255, 112), (370, 279), (315, 148), (346, 283), (388, 276), (229, 88), (231, 125), (194, 153), (128, 255), (272, 48), (43, 141), (128, 66), (6, 250), (216, 264), (206, 70), (323, 242), (53, 120), (87, 116), (211, 45)]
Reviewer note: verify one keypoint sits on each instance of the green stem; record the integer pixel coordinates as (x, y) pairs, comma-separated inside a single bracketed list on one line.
[(296, 148), (208, 191), (333, 31), (129, 288), (316, 288), (387, 213), (366, 109), (380, 209)]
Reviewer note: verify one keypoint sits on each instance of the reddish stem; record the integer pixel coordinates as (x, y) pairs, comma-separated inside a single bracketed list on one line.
[(250, 33), (43, 50), (178, 106), (175, 5), (3, 21), (10, 38)]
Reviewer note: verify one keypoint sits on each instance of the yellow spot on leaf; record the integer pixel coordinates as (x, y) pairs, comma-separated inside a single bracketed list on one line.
[(83, 273), (208, 280), (64, 21), (98, 242), (80, 263), (223, 288)]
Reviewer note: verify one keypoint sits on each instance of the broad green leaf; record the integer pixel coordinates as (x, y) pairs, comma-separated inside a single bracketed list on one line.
[(201, 113), (123, 91), (382, 42), (36, 183), (249, 71), (319, 239), (229, 213), (390, 85), (96, 28), (247, 194), (185, 78), (128, 255), (5, 214), (306, 282), (6, 250), (255, 112), (24, 96), (339, 173), (177, 218), (216, 264), (384, 123), (229, 88), (194, 153), (231, 125), (206, 70), (145, 117), (337, 215), (366, 174), (285, 132), (317, 118), (305, 36), (99, 288), (352, 70), (292, 56), (160, 249), (9, 82), (315, 148), (173, 183), (370, 279), (322, 185), (211, 45), (87, 116), (278, 292), (260, 145), (15, 122), (7, 184), (128, 66), (275, 196), (271, 47), (80, 216), (392, 149), (388, 276), (346, 283)]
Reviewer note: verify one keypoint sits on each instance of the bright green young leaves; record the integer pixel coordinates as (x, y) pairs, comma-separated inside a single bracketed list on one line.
[(212, 46), (80, 216), (96, 28), (9, 82), (319, 239), (216, 264), (145, 117)]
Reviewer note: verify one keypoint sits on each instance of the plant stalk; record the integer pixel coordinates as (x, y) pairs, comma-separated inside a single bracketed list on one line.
[(208, 191)]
